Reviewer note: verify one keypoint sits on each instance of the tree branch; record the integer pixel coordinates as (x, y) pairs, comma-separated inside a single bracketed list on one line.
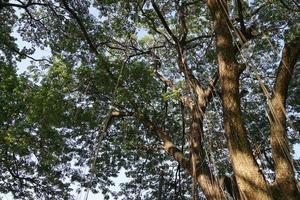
[(284, 170), (152, 24), (241, 17), (92, 46), (184, 28), (163, 21), (22, 5), (167, 143)]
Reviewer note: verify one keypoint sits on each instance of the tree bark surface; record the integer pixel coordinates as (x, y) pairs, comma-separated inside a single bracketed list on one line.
[(250, 180), (285, 184)]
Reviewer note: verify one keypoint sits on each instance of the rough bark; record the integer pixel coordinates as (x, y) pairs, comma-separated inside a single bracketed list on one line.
[(250, 179), (229, 184), (285, 184), (200, 170)]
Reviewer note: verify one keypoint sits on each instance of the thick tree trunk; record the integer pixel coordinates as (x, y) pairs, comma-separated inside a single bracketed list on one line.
[(250, 179), (285, 184)]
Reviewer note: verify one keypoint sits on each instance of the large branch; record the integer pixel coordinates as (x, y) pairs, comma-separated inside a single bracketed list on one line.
[(167, 143), (285, 180), (199, 169), (290, 55)]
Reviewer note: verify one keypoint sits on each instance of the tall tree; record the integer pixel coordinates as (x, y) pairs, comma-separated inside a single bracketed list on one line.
[(196, 91)]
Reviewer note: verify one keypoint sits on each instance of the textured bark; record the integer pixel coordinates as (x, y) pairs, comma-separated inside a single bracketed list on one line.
[(230, 185), (200, 170), (250, 179), (285, 184)]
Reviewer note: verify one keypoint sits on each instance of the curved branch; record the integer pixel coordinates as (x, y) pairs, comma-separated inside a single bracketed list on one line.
[(168, 145)]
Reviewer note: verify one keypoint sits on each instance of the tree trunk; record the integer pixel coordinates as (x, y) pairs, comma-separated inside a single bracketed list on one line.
[(200, 170), (250, 180), (285, 183)]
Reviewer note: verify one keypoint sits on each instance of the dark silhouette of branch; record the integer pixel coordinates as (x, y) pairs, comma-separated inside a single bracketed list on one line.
[(92, 46), (21, 5), (24, 54), (241, 17), (87, 37), (285, 5), (163, 21)]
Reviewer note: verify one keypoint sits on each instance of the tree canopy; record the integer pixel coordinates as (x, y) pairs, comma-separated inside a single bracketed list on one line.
[(193, 99)]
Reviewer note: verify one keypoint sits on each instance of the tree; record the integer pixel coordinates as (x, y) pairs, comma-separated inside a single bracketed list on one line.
[(198, 92)]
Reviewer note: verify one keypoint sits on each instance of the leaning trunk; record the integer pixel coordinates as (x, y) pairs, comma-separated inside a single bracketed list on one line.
[(285, 183)]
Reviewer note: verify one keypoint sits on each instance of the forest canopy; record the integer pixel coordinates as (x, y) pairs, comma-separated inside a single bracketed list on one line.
[(191, 99)]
